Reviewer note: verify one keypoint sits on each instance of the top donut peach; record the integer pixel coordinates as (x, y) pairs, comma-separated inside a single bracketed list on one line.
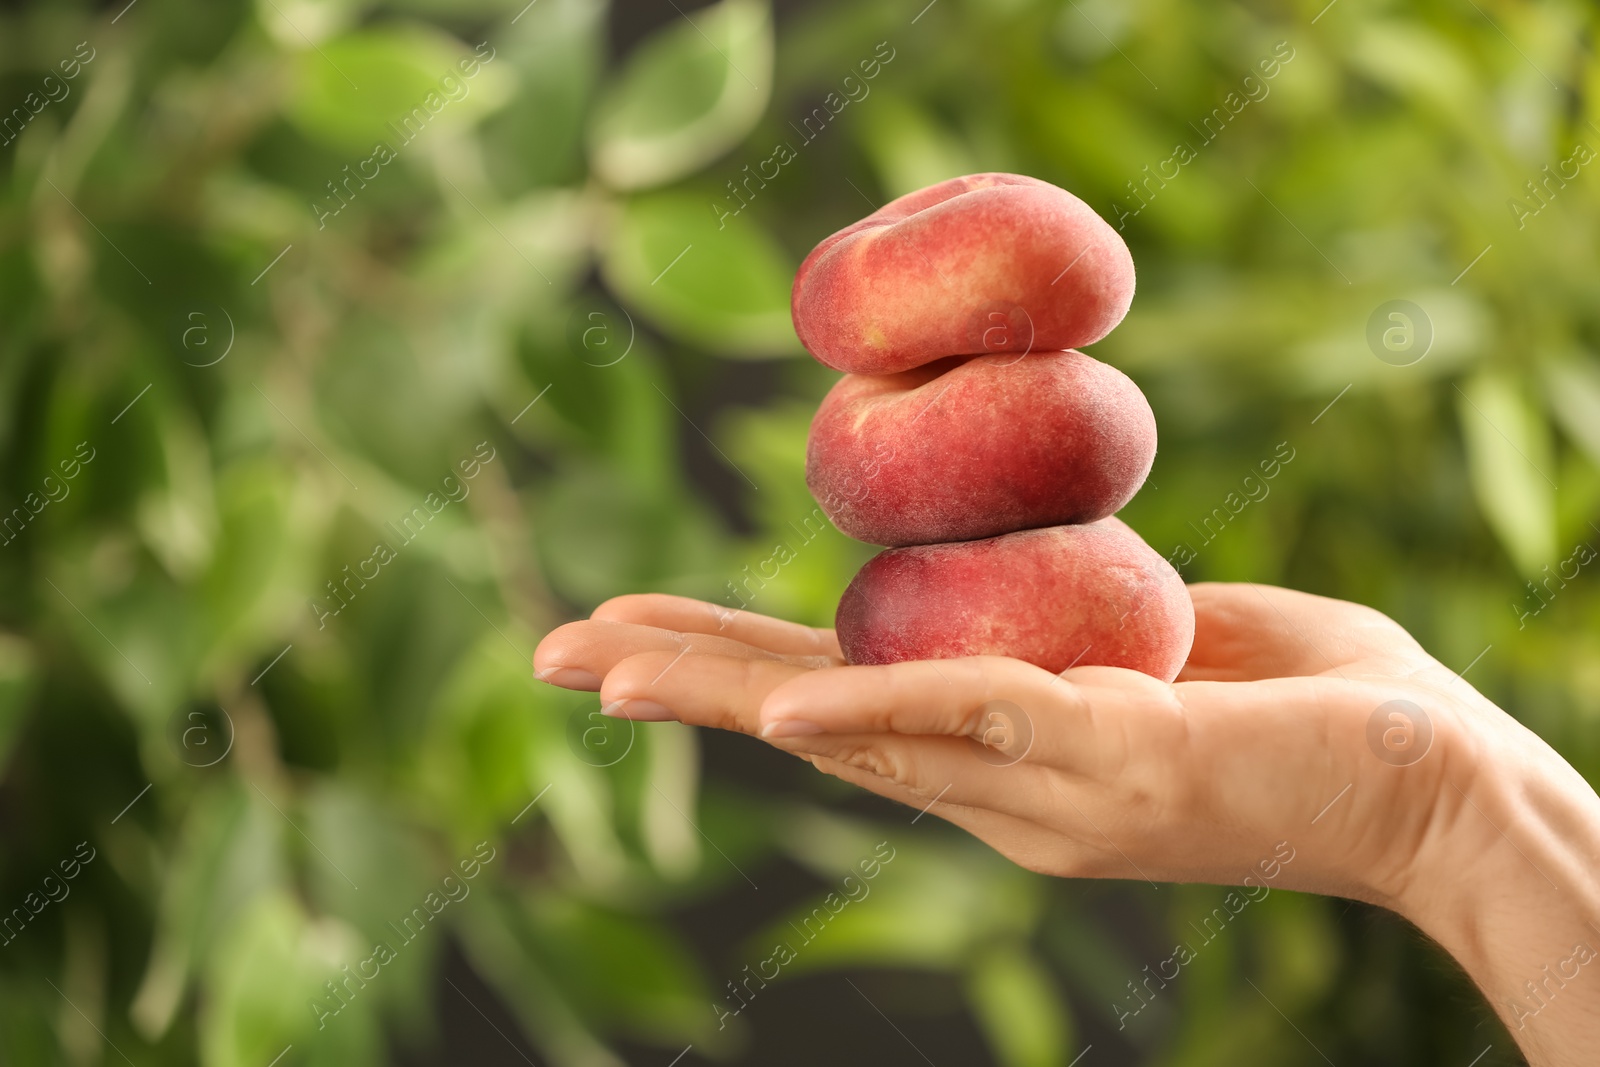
[(984, 263)]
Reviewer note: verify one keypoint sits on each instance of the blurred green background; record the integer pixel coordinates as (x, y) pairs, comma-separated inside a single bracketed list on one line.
[(491, 284)]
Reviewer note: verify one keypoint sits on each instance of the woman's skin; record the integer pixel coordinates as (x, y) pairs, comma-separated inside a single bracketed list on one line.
[(1483, 836)]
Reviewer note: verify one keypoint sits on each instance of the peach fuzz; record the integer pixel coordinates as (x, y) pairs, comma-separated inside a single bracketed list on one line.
[(968, 448), (1059, 597), (984, 263)]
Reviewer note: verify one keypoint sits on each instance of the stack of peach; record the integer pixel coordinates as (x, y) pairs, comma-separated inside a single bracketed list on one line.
[(969, 436)]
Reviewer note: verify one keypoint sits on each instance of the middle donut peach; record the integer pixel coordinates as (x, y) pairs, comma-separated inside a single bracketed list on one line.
[(973, 447)]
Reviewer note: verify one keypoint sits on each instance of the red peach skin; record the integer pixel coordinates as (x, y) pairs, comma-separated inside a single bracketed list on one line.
[(984, 263), (1064, 596), (969, 448)]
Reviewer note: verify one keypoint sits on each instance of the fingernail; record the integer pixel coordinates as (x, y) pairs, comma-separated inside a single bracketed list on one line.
[(569, 678), (790, 728), (639, 711)]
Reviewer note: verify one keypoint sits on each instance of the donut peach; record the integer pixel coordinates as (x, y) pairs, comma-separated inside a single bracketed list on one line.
[(1058, 597), (984, 263), (967, 448)]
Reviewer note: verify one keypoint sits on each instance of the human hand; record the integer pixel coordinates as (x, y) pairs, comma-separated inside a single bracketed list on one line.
[(1262, 757), (1098, 772)]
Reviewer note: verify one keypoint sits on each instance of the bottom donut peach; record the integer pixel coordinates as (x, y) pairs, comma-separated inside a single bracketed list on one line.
[(1058, 597)]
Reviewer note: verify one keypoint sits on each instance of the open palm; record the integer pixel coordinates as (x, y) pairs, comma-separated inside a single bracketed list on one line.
[(1278, 738)]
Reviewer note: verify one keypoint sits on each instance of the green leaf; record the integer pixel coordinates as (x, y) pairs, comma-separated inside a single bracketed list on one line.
[(485, 720), (1415, 62), (876, 910), (622, 969), (263, 543), (557, 49), (1573, 392), (497, 264), (909, 148), (771, 443), (392, 85), (269, 978), (671, 841), (581, 810), (366, 868), (178, 520), (494, 939), (1021, 1011), (1508, 459), (297, 24), (688, 95), (602, 538), (18, 682), (723, 285), (228, 854)]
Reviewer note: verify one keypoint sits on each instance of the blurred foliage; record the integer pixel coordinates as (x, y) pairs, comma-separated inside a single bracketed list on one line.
[(491, 286)]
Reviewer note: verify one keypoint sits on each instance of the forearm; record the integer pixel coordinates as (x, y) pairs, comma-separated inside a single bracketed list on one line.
[(1511, 889)]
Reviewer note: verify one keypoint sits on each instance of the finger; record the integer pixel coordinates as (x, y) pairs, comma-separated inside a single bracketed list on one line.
[(1020, 839), (727, 693), (579, 654), (911, 697), (1247, 632), (920, 770), (701, 689), (1089, 721), (697, 616)]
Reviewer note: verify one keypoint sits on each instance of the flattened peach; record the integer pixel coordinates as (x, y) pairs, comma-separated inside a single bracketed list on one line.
[(1058, 597), (984, 263), (969, 448)]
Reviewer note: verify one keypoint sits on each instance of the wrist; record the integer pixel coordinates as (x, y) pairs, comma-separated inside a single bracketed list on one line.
[(1508, 883)]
